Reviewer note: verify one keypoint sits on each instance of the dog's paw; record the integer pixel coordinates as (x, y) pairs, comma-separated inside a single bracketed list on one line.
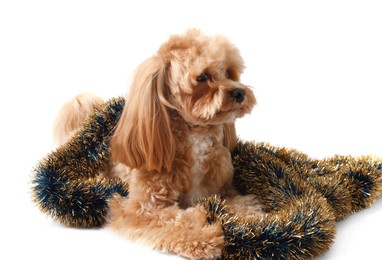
[(207, 244)]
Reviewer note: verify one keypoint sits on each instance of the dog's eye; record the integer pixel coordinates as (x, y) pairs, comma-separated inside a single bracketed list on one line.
[(202, 77), (228, 74)]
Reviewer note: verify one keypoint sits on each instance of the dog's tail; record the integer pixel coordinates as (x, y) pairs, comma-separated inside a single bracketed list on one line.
[(66, 183), (73, 114)]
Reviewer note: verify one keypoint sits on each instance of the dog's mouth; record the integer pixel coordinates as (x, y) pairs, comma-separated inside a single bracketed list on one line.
[(229, 114), (222, 116), (232, 114)]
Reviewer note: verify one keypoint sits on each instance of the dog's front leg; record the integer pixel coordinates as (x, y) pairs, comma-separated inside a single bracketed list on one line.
[(169, 228)]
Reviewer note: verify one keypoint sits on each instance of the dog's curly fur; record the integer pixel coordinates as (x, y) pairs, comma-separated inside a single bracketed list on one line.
[(172, 144)]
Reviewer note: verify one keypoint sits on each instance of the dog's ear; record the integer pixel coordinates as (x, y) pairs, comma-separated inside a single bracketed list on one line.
[(230, 138), (143, 137)]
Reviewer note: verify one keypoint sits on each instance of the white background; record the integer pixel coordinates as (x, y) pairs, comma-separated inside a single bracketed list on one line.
[(316, 67)]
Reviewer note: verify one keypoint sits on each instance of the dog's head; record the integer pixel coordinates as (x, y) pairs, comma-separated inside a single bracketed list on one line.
[(202, 78), (193, 74)]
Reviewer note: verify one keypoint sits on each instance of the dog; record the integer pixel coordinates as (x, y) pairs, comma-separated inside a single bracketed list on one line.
[(172, 144)]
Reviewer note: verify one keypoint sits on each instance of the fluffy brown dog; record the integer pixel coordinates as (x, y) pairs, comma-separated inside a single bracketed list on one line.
[(172, 143)]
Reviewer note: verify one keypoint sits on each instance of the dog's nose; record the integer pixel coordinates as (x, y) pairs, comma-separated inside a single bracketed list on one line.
[(238, 94)]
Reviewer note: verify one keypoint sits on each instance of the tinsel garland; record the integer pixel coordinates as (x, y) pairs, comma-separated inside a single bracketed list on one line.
[(303, 197), (66, 183)]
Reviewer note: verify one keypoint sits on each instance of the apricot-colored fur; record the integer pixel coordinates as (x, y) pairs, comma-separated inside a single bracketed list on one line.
[(172, 144), (72, 115)]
